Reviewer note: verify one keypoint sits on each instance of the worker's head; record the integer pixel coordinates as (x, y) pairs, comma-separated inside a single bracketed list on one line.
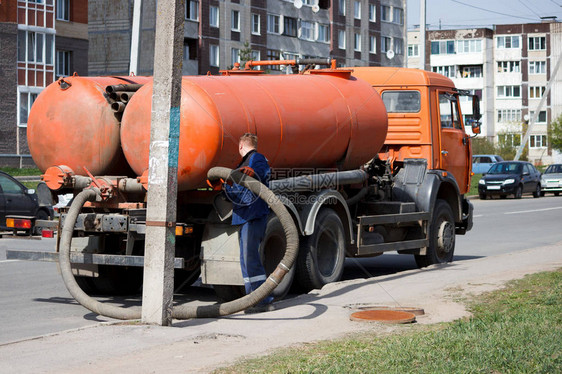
[(248, 142)]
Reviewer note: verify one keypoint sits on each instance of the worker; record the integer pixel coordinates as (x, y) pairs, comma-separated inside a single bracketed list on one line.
[(250, 213)]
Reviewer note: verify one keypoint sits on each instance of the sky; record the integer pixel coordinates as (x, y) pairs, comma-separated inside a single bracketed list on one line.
[(481, 13)]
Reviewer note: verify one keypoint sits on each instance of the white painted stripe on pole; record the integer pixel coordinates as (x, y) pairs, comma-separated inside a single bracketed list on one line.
[(534, 210), (477, 215), (4, 261)]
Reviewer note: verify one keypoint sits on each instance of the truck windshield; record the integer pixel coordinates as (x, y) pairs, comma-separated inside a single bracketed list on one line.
[(506, 168), (402, 101)]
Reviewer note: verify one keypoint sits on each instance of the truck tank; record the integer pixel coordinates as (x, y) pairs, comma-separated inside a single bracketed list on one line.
[(71, 123), (327, 119)]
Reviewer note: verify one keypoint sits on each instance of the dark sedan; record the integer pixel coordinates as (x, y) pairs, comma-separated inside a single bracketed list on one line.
[(510, 178), (17, 200)]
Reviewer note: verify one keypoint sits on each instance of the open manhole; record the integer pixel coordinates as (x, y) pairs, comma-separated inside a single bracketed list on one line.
[(383, 316)]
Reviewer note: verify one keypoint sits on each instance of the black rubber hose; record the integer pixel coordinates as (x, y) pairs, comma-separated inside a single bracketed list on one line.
[(186, 311)]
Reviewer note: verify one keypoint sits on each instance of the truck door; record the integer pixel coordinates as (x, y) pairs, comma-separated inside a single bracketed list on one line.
[(455, 152)]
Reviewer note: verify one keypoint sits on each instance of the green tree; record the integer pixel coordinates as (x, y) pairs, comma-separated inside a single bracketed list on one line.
[(555, 134), (245, 55)]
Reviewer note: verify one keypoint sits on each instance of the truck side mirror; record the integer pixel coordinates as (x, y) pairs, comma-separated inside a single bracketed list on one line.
[(476, 128), (476, 108)]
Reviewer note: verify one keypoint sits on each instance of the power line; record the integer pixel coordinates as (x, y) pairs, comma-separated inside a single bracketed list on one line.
[(531, 9), (492, 11)]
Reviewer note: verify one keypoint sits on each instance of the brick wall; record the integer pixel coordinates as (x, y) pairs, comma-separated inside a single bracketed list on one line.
[(8, 82), (79, 50)]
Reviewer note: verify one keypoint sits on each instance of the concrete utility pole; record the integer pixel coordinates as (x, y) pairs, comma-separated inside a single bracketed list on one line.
[(422, 34), (533, 120), (135, 38), (160, 239)]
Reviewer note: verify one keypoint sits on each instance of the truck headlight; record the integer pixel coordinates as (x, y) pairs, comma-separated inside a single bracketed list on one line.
[(481, 181), (509, 181)]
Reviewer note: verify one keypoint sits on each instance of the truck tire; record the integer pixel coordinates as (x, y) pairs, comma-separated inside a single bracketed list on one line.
[(41, 215), (272, 251), (442, 236), (117, 280), (322, 254)]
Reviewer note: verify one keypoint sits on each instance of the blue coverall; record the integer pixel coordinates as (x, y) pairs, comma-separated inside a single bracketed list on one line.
[(250, 212)]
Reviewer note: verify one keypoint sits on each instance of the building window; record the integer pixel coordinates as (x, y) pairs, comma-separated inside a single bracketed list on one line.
[(234, 56), (35, 47), (385, 44), (323, 33), (235, 20), (508, 66), (413, 50), (448, 71), (507, 41), (536, 92), (469, 46), (399, 46), (274, 55), (443, 47), (508, 91), (537, 43), (189, 49), (509, 115), (214, 16), (273, 24), (541, 118), (357, 10), (537, 67), (341, 39), (398, 15), (513, 140), (214, 55), (537, 141), (357, 42), (63, 10), (307, 30), (385, 13), (372, 13), (256, 56), (192, 10), (471, 71), (341, 7), (63, 63), (26, 101), (255, 24), (290, 26), (372, 44)]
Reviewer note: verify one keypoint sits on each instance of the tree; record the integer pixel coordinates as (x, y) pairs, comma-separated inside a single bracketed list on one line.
[(245, 55), (555, 134)]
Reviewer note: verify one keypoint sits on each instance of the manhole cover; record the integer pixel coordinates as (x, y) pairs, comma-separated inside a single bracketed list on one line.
[(415, 310), (384, 316)]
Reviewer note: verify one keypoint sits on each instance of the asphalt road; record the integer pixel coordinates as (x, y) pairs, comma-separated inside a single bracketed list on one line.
[(34, 300)]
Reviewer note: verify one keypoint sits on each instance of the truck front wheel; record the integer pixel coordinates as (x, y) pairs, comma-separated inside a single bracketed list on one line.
[(442, 237), (322, 254)]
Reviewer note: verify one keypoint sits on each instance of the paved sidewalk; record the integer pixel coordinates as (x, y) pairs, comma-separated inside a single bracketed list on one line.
[(199, 346)]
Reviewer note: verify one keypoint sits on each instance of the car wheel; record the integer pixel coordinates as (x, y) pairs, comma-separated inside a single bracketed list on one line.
[(518, 192), (482, 196), (41, 215), (537, 192), (543, 193), (557, 194), (503, 196)]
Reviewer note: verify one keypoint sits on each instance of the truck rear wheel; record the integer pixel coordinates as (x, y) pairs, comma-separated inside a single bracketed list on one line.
[(441, 237), (322, 254)]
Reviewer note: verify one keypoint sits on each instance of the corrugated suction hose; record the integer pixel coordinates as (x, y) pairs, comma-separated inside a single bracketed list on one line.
[(186, 311)]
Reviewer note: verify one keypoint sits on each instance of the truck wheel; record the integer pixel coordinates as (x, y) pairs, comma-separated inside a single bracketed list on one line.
[(42, 215), (442, 237), (272, 251), (117, 280), (482, 196), (322, 254)]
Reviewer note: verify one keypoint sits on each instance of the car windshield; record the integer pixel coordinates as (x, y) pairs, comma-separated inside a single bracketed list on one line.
[(506, 168), (552, 169)]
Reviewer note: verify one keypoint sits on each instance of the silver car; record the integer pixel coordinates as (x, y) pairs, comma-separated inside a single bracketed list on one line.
[(551, 180)]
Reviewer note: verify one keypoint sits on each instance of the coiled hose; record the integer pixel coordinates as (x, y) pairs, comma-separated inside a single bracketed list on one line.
[(186, 311)]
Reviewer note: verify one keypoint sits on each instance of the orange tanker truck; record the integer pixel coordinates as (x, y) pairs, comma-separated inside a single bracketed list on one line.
[(365, 160)]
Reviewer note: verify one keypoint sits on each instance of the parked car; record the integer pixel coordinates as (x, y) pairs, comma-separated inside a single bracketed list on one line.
[(18, 200), (551, 180), (482, 163), (510, 178)]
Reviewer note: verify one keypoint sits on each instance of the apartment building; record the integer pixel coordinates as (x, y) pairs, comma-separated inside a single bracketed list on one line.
[(39, 41), (217, 33), (509, 67)]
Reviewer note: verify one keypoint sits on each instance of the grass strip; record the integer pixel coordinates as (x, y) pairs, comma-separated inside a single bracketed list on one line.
[(513, 330)]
